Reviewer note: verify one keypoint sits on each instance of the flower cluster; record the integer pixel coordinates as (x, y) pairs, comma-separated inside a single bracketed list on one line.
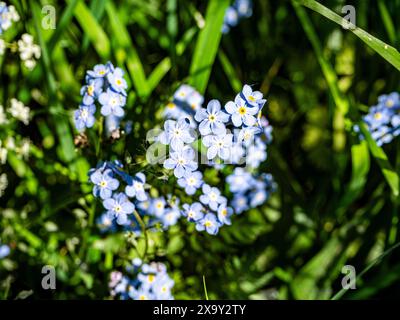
[(383, 119), (29, 52), (231, 135), (144, 282), (239, 10), (107, 86), (8, 15)]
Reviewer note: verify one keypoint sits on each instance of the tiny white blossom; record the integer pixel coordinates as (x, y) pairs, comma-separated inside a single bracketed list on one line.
[(24, 148), (3, 183), (2, 47), (28, 51), (19, 111), (3, 154), (3, 117)]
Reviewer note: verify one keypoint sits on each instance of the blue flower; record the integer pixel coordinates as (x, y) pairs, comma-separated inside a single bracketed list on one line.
[(252, 98), (191, 181), (119, 207), (241, 112), (176, 133), (247, 135), (224, 214), (231, 19), (256, 153), (218, 145), (104, 183), (157, 207), (240, 203), (239, 181), (162, 287), (181, 161), (84, 117), (212, 119), (258, 197), (112, 103), (136, 188), (105, 224), (212, 197), (99, 71), (193, 212), (391, 100), (91, 91), (244, 8), (209, 223), (4, 251), (117, 81), (170, 217)]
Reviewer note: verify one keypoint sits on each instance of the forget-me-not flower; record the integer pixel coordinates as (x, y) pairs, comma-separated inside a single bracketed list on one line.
[(212, 197), (241, 112), (84, 117), (191, 181), (117, 81), (193, 212), (104, 184), (176, 133), (209, 223), (181, 161), (119, 207), (212, 119), (112, 103), (136, 188), (218, 145)]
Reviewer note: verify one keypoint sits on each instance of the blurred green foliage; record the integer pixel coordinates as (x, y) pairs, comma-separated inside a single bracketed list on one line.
[(337, 201)]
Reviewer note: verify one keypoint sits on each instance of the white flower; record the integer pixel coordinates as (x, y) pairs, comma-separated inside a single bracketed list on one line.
[(3, 183), (3, 117), (19, 111), (8, 14), (28, 51), (3, 154), (2, 47), (24, 148)]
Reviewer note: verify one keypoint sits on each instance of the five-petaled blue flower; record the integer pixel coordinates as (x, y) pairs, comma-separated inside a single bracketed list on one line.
[(117, 81), (241, 112), (176, 133), (112, 103), (191, 181), (212, 197), (218, 145), (193, 212), (119, 207), (104, 183), (84, 117), (209, 223), (181, 161), (212, 119)]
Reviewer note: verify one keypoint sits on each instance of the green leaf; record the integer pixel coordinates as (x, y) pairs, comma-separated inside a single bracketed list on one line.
[(389, 53), (230, 71), (380, 156), (207, 44)]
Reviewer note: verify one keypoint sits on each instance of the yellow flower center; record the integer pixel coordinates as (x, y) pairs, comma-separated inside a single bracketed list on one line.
[(224, 212), (192, 181), (208, 223), (171, 105), (103, 184), (193, 105), (142, 297), (90, 90), (242, 111), (211, 117), (118, 208), (159, 205), (389, 103), (251, 98), (151, 278), (119, 82), (213, 196), (378, 116), (101, 72)]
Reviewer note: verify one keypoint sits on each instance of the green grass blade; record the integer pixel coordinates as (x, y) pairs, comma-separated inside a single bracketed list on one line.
[(387, 21), (230, 71), (207, 44), (389, 173), (389, 53), (329, 73), (93, 29), (126, 51), (67, 148)]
